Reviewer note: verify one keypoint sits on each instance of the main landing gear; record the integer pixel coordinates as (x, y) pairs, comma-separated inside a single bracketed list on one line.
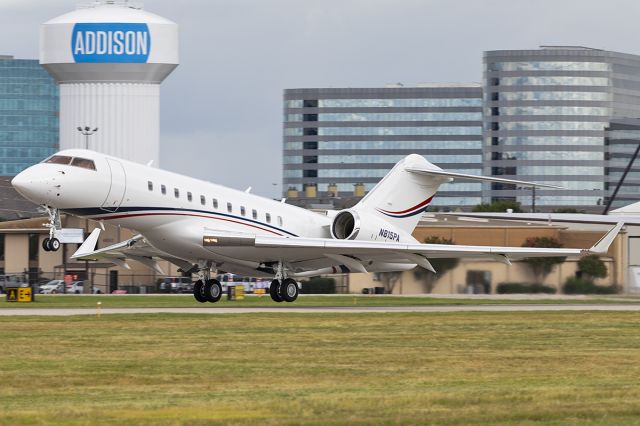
[(51, 243), (207, 289), (283, 289)]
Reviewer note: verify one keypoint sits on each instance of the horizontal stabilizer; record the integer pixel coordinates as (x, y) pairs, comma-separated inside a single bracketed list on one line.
[(462, 176), (89, 244)]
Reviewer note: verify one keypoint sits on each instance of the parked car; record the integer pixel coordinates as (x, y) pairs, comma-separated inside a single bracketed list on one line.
[(11, 281), (77, 287), (52, 287), (176, 285)]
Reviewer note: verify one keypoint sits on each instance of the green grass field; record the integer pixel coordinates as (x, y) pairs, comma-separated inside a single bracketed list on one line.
[(178, 301), (317, 369)]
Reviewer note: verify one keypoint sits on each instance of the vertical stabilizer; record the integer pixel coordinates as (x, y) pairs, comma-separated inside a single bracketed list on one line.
[(401, 196)]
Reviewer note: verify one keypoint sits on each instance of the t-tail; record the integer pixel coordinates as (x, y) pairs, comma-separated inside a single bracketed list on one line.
[(409, 188)]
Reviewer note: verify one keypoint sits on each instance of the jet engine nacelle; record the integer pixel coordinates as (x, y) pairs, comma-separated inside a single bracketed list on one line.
[(351, 224)]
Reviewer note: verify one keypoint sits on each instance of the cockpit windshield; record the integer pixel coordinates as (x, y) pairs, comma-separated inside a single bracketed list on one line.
[(58, 159), (84, 163)]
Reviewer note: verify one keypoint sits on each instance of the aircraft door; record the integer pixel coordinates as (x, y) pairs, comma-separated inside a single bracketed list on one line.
[(118, 186)]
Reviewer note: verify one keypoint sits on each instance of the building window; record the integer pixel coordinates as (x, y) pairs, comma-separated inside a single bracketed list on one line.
[(229, 207), (189, 197), (163, 189), (1, 246), (215, 204), (34, 246), (203, 201), (243, 212), (254, 213), (150, 185), (268, 217), (176, 192)]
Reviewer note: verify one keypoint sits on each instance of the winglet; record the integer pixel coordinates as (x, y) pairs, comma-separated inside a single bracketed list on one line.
[(602, 246), (89, 244)]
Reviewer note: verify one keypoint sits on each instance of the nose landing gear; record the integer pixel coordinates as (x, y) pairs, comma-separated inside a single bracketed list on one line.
[(51, 243)]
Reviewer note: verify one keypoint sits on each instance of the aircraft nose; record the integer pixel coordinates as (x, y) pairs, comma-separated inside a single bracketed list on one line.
[(32, 185)]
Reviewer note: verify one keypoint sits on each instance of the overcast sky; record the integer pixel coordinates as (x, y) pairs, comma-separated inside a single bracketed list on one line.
[(221, 109)]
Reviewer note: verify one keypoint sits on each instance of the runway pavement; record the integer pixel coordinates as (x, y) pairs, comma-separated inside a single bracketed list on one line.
[(312, 310)]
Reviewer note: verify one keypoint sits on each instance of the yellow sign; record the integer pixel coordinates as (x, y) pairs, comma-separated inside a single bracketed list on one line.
[(25, 295), (12, 295), (239, 292)]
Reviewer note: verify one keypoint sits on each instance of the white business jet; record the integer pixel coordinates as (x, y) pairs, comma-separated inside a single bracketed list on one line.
[(202, 227)]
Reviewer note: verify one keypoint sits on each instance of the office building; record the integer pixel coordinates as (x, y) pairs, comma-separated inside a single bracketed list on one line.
[(341, 142), (547, 114), (28, 114)]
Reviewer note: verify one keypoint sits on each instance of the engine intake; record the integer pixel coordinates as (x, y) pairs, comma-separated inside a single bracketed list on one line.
[(346, 225)]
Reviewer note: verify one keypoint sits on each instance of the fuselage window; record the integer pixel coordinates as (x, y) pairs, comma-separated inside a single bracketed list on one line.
[(189, 196), (84, 163), (215, 203), (229, 207), (203, 201), (279, 220), (254, 213), (58, 159), (243, 212), (268, 217), (150, 185), (176, 192), (163, 189)]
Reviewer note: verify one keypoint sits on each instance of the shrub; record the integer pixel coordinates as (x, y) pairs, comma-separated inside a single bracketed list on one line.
[(542, 266), (575, 285), (499, 206), (319, 285), (593, 266), (512, 288)]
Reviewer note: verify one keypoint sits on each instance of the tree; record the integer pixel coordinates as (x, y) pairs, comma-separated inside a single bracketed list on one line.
[(592, 267), (498, 206), (441, 265), (542, 266)]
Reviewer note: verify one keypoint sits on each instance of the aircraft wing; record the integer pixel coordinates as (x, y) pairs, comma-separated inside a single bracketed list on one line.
[(135, 248), (354, 253), (556, 217)]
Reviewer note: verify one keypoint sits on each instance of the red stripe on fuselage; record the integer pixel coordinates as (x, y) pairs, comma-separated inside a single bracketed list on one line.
[(126, 216), (422, 204)]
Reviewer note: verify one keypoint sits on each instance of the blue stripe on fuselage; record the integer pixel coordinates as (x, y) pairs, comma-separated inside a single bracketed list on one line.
[(96, 211)]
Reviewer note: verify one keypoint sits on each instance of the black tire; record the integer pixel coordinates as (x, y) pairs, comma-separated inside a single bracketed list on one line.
[(198, 291), (54, 244), (274, 291), (45, 244), (289, 290), (212, 291)]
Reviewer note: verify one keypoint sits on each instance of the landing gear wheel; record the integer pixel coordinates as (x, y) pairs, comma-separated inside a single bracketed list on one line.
[(274, 291), (289, 290), (212, 291), (54, 244), (198, 291), (45, 244)]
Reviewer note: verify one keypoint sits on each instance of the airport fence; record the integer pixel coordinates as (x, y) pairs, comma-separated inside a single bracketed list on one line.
[(136, 283)]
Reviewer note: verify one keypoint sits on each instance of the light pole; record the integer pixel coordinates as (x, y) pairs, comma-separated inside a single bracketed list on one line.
[(87, 131)]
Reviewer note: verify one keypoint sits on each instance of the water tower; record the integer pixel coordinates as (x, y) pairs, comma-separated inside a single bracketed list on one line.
[(109, 58)]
